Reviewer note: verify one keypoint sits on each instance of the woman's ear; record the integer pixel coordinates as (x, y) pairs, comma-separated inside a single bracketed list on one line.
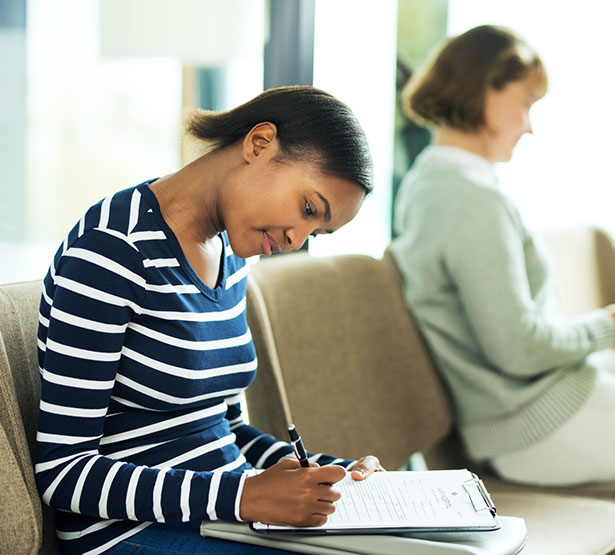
[(260, 139)]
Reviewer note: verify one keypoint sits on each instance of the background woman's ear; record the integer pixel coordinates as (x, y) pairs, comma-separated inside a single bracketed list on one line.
[(262, 137)]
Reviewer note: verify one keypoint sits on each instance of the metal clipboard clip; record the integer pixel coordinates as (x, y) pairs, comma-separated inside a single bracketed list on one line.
[(480, 487)]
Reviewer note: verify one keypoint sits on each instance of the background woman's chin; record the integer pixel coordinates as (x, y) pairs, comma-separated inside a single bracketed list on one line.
[(504, 155), (507, 157)]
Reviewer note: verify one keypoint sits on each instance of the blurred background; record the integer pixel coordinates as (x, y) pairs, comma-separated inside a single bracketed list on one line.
[(94, 91)]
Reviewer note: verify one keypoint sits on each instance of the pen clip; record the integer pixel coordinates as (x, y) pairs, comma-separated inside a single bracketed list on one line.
[(478, 483), (293, 444), (297, 446)]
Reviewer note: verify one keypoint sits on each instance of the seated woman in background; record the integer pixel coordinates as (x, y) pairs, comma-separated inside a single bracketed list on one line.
[(144, 347), (534, 392)]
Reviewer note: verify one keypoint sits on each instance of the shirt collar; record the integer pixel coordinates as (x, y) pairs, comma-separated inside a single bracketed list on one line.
[(472, 165)]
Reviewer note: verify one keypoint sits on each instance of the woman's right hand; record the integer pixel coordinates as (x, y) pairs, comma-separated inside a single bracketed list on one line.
[(290, 494)]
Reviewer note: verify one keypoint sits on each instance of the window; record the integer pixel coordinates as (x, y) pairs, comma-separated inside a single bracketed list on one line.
[(354, 59), (102, 108)]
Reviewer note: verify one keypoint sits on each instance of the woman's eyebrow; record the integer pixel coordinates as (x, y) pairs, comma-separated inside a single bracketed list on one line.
[(327, 207)]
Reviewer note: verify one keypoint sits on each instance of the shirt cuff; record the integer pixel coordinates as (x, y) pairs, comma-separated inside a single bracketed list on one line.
[(242, 481), (601, 328)]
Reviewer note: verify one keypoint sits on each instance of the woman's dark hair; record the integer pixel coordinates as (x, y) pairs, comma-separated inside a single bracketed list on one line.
[(450, 89), (312, 125)]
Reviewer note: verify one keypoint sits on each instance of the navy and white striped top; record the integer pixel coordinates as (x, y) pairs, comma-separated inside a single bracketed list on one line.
[(143, 367)]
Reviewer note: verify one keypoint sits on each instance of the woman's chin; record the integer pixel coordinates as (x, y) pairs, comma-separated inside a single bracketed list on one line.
[(507, 158), (241, 253), (502, 157)]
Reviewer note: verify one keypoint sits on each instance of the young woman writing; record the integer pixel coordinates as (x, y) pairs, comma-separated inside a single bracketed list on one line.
[(143, 343)]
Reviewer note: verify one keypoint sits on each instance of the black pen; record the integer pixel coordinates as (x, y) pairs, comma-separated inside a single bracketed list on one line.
[(297, 445)]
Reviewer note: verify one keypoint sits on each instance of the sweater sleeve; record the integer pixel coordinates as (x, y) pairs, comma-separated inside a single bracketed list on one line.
[(485, 255), (263, 450), (92, 291)]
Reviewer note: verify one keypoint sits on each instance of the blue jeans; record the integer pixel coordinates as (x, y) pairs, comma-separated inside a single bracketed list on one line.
[(184, 539)]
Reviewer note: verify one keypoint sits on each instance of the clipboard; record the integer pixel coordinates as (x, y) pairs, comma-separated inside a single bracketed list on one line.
[(406, 502)]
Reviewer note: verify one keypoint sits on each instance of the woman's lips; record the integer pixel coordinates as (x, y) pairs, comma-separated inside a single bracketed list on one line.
[(269, 244)]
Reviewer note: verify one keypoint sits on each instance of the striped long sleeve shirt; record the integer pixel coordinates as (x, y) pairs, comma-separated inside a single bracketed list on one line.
[(143, 367)]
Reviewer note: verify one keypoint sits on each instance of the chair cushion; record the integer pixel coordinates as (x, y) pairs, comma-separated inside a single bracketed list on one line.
[(450, 453), (19, 527), (599, 490), (560, 524)]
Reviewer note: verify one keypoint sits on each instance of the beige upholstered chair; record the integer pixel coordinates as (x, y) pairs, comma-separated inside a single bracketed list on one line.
[(25, 525), (584, 264), (340, 357), (341, 360)]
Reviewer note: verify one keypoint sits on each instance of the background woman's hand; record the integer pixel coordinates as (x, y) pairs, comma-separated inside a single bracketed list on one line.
[(364, 467), (289, 494)]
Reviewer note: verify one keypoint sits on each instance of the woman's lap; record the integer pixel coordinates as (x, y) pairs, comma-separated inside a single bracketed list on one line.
[(164, 539), (581, 450)]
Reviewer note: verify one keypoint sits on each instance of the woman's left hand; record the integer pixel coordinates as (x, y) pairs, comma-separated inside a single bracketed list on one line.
[(364, 467)]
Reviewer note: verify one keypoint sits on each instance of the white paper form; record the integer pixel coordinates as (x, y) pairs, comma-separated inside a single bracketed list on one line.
[(427, 499)]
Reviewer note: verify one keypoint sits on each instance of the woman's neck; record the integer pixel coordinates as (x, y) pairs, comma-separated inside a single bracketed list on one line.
[(189, 197), (475, 142)]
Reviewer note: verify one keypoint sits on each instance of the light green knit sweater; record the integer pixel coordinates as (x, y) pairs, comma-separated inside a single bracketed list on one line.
[(479, 286)]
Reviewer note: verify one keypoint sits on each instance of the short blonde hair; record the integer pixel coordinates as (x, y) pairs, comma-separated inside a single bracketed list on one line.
[(450, 89)]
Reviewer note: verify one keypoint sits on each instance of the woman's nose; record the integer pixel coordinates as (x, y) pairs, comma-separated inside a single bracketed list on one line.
[(297, 236)]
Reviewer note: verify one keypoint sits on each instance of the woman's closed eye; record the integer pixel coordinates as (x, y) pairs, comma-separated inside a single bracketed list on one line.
[(309, 211)]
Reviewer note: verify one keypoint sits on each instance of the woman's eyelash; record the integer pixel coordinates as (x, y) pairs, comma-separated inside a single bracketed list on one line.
[(309, 211)]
